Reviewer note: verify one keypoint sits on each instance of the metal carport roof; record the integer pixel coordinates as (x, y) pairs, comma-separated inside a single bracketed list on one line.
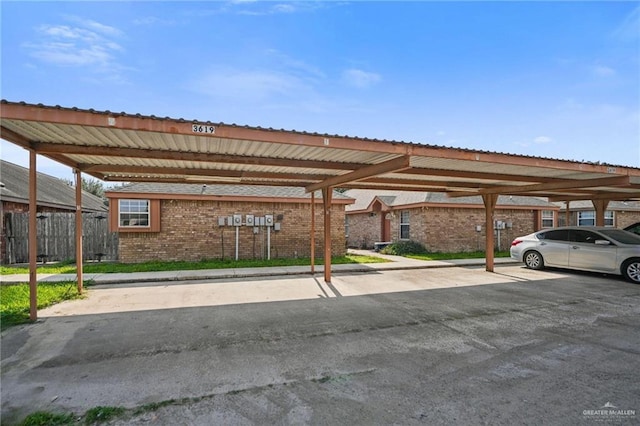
[(126, 147)]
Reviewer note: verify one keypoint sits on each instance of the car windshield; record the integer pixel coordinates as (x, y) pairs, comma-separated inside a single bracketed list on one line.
[(621, 236)]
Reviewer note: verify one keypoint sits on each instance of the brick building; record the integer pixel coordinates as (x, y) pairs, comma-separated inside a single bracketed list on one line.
[(619, 214), (440, 223), (191, 222)]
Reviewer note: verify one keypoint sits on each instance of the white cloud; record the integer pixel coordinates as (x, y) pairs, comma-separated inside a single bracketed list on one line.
[(603, 71), (360, 79), (542, 139), (87, 43), (248, 85)]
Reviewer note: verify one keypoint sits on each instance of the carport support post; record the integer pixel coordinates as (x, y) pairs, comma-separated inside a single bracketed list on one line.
[(567, 215), (79, 228), (33, 242), (490, 201), (326, 204), (600, 206), (313, 232)]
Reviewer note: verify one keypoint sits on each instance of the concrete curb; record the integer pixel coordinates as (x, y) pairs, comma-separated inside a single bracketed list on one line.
[(216, 274)]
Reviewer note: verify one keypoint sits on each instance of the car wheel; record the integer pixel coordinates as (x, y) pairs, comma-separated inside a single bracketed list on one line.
[(533, 260), (631, 270)]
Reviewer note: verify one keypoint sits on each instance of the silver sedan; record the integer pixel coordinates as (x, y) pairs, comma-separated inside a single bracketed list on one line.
[(594, 248)]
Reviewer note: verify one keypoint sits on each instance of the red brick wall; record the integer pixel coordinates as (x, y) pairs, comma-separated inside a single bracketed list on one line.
[(624, 219), (190, 231), (443, 229)]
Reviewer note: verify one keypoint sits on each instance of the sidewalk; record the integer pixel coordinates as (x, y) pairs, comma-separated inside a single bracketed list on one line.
[(397, 263)]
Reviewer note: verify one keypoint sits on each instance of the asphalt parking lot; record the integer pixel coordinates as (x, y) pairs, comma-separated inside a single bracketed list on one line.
[(437, 346)]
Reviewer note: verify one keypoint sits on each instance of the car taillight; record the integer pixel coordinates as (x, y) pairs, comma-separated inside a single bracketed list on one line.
[(515, 243)]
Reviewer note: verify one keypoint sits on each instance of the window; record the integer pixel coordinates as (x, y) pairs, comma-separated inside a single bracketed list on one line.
[(581, 236), (588, 218), (555, 235), (608, 218), (346, 225), (404, 225), (133, 213), (547, 218)]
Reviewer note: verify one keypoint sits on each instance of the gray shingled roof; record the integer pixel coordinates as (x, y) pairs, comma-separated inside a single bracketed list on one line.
[(364, 197), (221, 190), (51, 191), (613, 205)]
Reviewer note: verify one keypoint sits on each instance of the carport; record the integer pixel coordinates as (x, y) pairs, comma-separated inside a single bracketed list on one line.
[(131, 147)]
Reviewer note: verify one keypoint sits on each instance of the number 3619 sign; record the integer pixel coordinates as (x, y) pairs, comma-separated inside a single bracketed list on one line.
[(199, 128)]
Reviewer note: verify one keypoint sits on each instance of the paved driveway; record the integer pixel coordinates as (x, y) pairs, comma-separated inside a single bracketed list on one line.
[(438, 346)]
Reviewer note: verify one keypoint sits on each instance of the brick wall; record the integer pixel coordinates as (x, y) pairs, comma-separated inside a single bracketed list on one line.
[(190, 231), (624, 219), (443, 229)]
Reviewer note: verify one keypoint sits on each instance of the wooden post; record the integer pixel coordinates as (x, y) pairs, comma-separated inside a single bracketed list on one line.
[(600, 206), (490, 201), (567, 215), (79, 228), (313, 232), (33, 241), (326, 203)]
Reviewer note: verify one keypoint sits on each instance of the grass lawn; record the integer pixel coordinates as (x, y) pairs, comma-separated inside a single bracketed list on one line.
[(14, 300), (107, 267)]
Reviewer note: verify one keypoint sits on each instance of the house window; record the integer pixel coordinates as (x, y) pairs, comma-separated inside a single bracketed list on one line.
[(547, 218), (588, 218), (346, 225), (404, 225), (133, 213)]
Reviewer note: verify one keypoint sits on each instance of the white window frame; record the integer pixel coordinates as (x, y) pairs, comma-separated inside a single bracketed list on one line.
[(588, 218), (405, 223), (135, 209), (548, 218)]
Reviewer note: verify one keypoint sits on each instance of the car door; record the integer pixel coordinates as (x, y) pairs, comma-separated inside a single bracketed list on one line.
[(586, 254), (554, 247)]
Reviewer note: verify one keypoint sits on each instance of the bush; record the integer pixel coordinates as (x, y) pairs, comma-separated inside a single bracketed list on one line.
[(402, 248)]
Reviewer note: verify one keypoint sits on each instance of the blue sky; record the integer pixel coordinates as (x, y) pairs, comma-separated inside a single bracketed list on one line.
[(550, 79)]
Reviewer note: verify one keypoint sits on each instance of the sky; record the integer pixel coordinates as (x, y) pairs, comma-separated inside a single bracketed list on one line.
[(547, 79)]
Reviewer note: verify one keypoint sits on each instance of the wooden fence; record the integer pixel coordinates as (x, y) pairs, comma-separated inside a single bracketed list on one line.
[(56, 237)]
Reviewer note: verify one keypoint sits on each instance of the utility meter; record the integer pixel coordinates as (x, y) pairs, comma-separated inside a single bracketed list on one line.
[(268, 220), (237, 219), (248, 220)]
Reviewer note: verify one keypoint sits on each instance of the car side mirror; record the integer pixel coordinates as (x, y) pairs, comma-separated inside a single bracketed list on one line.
[(603, 242)]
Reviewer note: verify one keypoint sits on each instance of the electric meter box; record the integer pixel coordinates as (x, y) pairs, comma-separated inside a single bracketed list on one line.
[(276, 226), (237, 219), (221, 221), (260, 221), (268, 220), (248, 220), (229, 220)]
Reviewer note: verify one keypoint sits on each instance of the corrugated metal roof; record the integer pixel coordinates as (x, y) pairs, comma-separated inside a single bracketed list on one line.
[(135, 148)]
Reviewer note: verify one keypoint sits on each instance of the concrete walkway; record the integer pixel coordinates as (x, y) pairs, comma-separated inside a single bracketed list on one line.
[(396, 263)]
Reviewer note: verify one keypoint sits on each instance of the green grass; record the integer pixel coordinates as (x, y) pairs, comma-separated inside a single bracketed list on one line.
[(43, 418), (449, 256), (14, 300), (107, 267)]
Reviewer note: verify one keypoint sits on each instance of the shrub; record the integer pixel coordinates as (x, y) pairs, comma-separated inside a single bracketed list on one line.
[(402, 248)]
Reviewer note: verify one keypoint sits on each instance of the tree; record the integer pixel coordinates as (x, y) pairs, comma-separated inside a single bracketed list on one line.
[(92, 186)]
